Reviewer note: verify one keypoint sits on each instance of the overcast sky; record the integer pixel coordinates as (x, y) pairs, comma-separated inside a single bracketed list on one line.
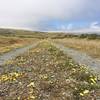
[(50, 15)]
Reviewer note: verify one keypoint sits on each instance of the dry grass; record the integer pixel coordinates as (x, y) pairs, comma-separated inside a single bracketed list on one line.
[(9, 43), (91, 47)]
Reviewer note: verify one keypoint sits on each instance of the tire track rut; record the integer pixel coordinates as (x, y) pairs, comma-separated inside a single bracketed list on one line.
[(80, 58), (12, 54)]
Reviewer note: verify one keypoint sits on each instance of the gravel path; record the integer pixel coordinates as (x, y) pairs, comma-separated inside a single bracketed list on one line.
[(14, 53), (77, 56), (80, 57)]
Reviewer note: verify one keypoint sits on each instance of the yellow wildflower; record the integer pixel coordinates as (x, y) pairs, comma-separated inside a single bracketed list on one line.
[(81, 94), (10, 76), (86, 91), (31, 84), (44, 76), (32, 97), (93, 80)]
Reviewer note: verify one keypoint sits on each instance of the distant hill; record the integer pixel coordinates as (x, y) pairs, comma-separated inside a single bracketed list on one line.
[(43, 35), (30, 34), (21, 33)]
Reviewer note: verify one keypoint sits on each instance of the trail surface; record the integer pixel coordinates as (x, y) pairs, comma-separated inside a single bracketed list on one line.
[(12, 54), (80, 57)]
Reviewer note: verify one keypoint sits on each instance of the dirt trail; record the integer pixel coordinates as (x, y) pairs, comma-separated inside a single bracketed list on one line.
[(77, 56), (80, 57), (14, 53)]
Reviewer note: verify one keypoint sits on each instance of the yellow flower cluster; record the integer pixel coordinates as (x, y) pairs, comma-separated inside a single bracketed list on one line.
[(31, 84), (84, 92), (93, 80), (31, 97), (45, 76), (11, 76)]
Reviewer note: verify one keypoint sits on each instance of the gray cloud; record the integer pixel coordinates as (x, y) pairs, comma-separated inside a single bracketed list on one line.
[(35, 14)]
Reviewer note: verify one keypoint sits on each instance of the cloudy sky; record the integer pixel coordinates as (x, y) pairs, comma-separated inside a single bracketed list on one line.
[(50, 15)]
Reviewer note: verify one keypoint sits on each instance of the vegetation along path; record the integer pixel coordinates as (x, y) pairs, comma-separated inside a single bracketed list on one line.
[(46, 73), (12, 54), (80, 57)]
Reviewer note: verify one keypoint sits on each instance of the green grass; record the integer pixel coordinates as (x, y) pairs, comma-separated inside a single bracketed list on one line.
[(45, 72)]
